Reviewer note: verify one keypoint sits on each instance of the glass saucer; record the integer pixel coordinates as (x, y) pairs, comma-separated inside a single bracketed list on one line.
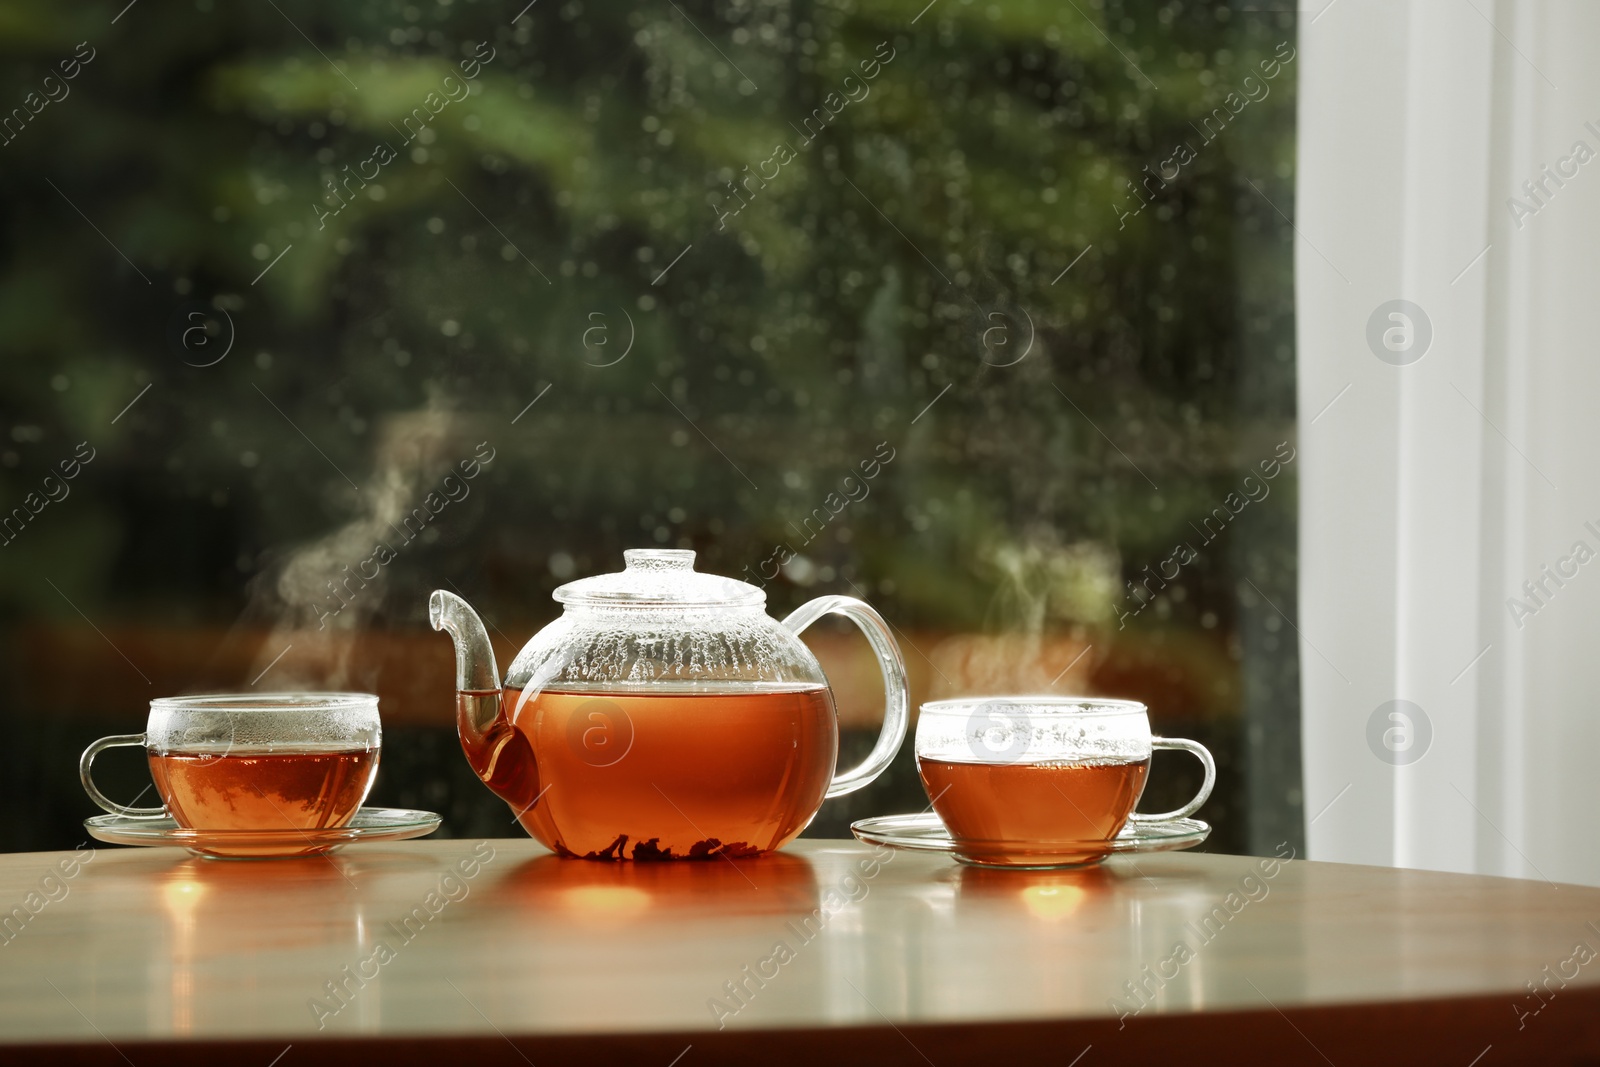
[(368, 824), (926, 833)]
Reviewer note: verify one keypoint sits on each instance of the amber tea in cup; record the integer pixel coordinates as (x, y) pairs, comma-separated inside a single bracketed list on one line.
[(1041, 781), (234, 762)]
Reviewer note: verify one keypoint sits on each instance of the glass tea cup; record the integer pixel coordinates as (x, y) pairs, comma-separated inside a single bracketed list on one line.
[(1041, 781), (244, 762)]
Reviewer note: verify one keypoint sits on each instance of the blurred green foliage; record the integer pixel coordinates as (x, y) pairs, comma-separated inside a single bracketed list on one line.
[(966, 208)]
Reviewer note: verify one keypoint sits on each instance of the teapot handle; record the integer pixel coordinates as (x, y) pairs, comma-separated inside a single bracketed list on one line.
[(894, 683)]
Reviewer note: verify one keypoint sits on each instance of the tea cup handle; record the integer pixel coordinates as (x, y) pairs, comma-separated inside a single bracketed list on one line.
[(87, 760), (895, 712), (1193, 806)]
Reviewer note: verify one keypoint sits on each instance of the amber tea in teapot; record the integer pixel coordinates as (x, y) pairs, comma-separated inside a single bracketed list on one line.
[(625, 773), (665, 715)]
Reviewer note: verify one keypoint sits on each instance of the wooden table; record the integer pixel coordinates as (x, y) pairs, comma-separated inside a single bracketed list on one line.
[(497, 952)]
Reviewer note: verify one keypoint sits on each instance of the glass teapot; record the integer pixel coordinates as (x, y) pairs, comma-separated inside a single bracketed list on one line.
[(664, 715)]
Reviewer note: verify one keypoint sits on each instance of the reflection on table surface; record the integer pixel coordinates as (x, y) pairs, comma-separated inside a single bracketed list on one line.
[(437, 937)]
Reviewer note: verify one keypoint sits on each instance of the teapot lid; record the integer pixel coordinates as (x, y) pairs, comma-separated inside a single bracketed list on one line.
[(655, 577)]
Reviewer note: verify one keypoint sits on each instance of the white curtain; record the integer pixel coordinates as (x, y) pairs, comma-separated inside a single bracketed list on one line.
[(1434, 488)]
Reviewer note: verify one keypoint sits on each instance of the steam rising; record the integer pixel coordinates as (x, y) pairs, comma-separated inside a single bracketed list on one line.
[(1050, 598), (325, 593)]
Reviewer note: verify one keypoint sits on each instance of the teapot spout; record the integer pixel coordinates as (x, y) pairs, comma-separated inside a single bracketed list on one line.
[(477, 675), (499, 754)]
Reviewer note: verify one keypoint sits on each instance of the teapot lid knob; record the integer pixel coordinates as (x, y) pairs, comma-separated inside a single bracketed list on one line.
[(659, 559)]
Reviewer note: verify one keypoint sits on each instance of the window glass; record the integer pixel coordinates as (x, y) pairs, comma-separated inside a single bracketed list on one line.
[(980, 312)]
